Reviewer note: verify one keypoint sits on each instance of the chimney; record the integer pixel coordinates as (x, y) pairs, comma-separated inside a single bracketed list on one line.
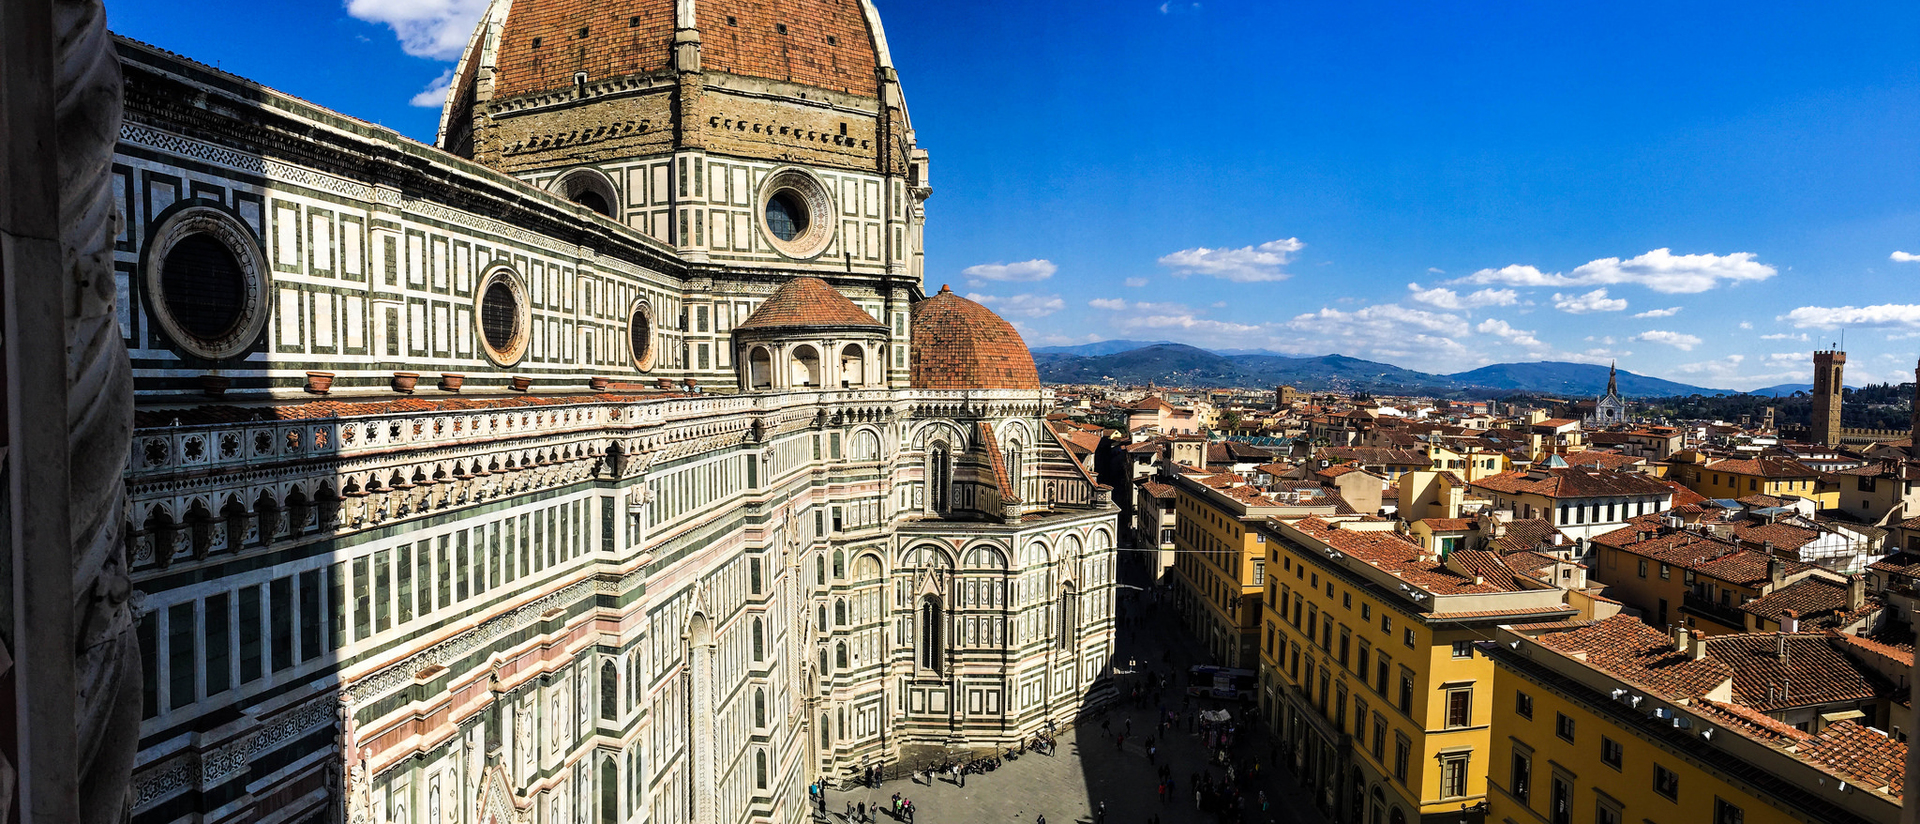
[(1856, 592), (1789, 622), (1699, 648), (1776, 573), (1679, 638)]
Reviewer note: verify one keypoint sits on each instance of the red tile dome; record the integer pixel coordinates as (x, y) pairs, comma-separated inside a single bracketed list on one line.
[(959, 344), (808, 303)]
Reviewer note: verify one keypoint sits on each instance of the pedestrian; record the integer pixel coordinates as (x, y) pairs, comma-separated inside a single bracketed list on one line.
[(1150, 754), (1129, 725), (1100, 815), (896, 806), (1040, 819), (1263, 801), (849, 810), (959, 776), (863, 811)]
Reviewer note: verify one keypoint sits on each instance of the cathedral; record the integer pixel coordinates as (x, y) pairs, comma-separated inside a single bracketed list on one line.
[(1609, 408), (607, 461)]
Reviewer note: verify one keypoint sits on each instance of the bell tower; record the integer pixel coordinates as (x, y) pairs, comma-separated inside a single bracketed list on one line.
[(1828, 364)]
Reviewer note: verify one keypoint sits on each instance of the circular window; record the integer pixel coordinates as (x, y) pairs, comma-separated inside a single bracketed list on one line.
[(797, 213), (786, 215), (206, 283), (640, 337), (503, 318)]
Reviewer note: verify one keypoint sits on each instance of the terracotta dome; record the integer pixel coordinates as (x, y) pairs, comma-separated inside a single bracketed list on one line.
[(808, 303), (959, 344)]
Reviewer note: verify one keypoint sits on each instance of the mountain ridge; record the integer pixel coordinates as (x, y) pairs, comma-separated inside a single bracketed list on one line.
[(1181, 364)]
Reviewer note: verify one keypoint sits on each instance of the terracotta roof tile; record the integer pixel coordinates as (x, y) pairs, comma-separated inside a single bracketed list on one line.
[(1523, 534), (1572, 483), (1870, 758), (959, 344), (1812, 672), (804, 303), (1819, 603)]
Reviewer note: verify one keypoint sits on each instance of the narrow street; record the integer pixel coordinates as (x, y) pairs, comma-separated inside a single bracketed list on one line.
[(1093, 764)]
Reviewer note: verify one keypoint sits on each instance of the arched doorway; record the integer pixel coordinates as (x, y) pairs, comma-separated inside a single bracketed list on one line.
[(759, 369)]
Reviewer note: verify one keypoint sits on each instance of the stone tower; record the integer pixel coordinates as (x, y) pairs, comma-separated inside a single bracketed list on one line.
[(1914, 430), (1827, 368)]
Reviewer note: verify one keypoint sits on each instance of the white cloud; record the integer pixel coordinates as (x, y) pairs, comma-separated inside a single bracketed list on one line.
[(1659, 313), (1435, 270), (1903, 257), (1021, 306), (1885, 314), (1659, 270), (1678, 340), (1114, 304), (1746, 324), (1594, 301), (435, 94), (1248, 264), (1135, 283), (1501, 329), (1802, 336), (436, 29), (1449, 299), (1026, 271)]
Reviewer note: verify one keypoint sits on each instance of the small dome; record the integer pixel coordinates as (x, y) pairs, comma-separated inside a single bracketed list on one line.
[(808, 303), (959, 344)]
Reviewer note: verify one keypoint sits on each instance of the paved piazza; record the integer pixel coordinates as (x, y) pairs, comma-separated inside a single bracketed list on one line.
[(1089, 770)]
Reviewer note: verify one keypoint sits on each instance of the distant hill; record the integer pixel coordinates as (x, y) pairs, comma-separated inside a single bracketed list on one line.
[(1575, 380), (1787, 389), (1176, 364), (1105, 347)]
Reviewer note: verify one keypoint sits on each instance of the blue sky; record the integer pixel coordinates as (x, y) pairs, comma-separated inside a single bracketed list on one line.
[(1705, 191)]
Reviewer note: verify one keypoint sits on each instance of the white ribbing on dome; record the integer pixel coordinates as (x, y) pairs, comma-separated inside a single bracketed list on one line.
[(479, 53)]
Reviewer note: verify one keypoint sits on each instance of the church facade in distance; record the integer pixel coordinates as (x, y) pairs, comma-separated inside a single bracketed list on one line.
[(606, 462)]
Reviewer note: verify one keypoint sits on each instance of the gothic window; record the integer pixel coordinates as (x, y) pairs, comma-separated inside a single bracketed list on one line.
[(866, 446), (609, 792), (759, 708), (609, 691), (1069, 616), (930, 633), (940, 479), (840, 612), (759, 641), (839, 564), (760, 769), (840, 655), (820, 570), (820, 624)]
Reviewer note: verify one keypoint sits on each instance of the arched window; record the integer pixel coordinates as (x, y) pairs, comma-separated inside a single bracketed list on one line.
[(823, 663), (759, 369), (820, 570), (805, 366), (1014, 467), (820, 624), (930, 635), (1397, 817), (759, 707), (866, 446), (853, 366), (840, 612), (839, 564), (866, 568), (633, 678), (609, 792), (609, 691), (1069, 616), (940, 479), (760, 769), (759, 641), (826, 732), (840, 655)]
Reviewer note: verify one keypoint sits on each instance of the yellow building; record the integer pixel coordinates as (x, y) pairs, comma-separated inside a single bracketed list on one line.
[(1740, 477), (1220, 558), (1369, 673), (1469, 460), (1617, 723)]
